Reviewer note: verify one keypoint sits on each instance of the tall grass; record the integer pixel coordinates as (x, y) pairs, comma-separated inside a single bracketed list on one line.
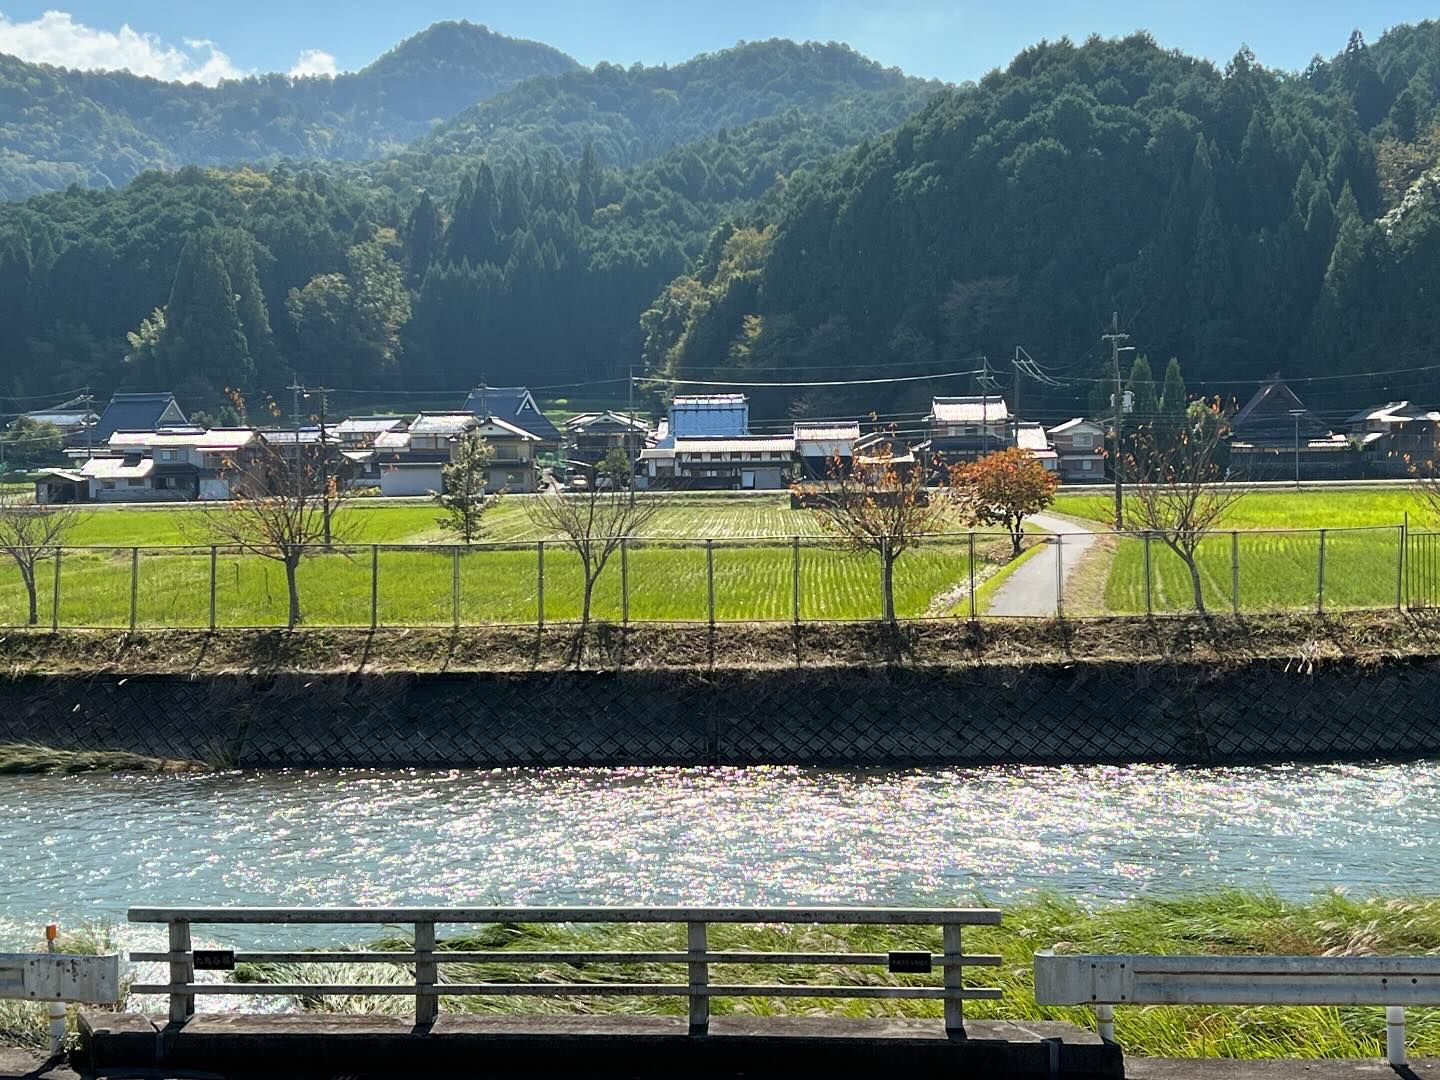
[(1222, 923)]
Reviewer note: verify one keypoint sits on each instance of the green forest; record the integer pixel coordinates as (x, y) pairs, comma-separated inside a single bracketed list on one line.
[(771, 209)]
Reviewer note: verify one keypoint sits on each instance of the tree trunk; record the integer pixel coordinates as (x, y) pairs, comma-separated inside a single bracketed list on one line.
[(1017, 534), (1195, 583), (585, 601), (28, 576), (887, 585), (290, 567)]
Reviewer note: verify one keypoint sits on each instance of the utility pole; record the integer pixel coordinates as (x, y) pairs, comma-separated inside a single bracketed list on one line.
[(1015, 391), (295, 391), (325, 508), (1115, 337)]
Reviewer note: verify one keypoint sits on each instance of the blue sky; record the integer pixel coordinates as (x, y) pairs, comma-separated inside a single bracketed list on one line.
[(958, 40)]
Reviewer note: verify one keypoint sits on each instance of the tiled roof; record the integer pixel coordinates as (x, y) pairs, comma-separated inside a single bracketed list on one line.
[(826, 432), (708, 401), (118, 468), (744, 444), (971, 409), (514, 404), (364, 425), (1031, 437), (133, 412), (214, 439), (453, 423), (1070, 425)]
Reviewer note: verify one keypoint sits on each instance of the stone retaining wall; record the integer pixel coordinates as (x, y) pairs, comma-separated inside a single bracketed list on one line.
[(1035, 714)]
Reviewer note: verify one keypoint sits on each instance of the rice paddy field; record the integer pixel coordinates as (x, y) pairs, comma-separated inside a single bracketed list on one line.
[(1267, 555), (768, 561)]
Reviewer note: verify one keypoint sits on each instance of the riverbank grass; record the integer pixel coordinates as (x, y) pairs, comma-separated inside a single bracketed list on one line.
[(1221, 923), (30, 759)]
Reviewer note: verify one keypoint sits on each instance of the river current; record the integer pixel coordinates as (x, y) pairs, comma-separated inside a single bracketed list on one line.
[(84, 848)]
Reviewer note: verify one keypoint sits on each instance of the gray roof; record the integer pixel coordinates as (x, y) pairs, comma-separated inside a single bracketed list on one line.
[(514, 405), (134, 412)]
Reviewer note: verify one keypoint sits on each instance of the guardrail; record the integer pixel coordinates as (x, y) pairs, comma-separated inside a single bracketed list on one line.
[(55, 978), (1107, 981), (426, 957)]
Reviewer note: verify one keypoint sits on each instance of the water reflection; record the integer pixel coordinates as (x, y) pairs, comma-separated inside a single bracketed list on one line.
[(87, 847)]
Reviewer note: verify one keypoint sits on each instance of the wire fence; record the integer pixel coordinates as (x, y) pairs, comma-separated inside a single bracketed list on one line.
[(799, 579)]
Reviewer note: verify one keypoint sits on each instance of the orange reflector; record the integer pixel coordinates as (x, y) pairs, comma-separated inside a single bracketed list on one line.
[(52, 931)]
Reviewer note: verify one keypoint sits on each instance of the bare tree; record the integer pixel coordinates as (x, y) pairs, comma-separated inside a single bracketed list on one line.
[(1182, 489), (31, 534), (878, 505), (281, 508), (1427, 484), (592, 523)]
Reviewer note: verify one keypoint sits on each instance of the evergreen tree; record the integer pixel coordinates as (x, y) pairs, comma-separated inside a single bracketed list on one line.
[(423, 234), (204, 341)]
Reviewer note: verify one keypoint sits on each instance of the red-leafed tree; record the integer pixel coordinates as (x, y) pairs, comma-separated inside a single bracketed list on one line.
[(1004, 488)]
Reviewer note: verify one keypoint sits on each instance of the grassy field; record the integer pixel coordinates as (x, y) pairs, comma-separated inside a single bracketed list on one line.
[(1232, 923), (667, 572), (1278, 570), (1314, 509)]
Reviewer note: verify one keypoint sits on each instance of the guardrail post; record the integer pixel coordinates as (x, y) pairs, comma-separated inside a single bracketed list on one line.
[(182, 972), (697, 943), (1105, 1022), (972, 575), (954, 978), (1235, 572), (540, 584), (624, 581), (134, 587), (427, 1005), (1149, 591), (795, 575), (710, 580), (57, 1008), (455, 587), (214, 566), (55, 598), (374, 586), (1320, 589), (1395, 1034)]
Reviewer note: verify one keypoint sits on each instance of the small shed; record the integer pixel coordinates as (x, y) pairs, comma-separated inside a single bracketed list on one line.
[(58, 487)]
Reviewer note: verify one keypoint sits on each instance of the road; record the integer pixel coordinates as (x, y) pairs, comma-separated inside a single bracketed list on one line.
[(1030, 590)]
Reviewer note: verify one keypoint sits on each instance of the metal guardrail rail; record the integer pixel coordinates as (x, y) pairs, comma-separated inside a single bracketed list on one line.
[(425, 958), (1107, 981)]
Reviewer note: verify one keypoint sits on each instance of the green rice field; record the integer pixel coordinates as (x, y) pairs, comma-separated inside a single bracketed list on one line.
[(431, 581)]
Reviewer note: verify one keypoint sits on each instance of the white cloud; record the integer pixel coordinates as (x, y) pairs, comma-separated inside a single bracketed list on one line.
[(56, 38), (314, 62)]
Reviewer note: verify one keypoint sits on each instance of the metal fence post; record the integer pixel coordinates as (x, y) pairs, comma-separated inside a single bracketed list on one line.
[(55, 596), (696, 942), (1059, 575), (710, 579), (214, 567), (540, 584), (182, 972), (1320, 590), (624, 581), (972, 575), (427, 1005), (1395, 1034), (1235, 572), (374, 586), (455, 587), (954, 977), (795, 575), (1149, 601), (1105, 1022), (134, 587), (1400, 573)]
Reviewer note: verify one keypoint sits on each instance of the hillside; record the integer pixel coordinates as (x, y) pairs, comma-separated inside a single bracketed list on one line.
[(102, 129), (1230, 216), (632, 115)]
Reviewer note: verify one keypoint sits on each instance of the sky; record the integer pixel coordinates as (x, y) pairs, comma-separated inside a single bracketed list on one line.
[(205, 41)]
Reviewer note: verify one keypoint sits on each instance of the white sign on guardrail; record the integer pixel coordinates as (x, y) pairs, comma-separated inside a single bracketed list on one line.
[(92, 980)]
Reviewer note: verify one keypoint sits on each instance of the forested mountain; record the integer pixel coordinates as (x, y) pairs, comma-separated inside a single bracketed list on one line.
[(510, 266), (100, 129), (1231, 216), (778, 208)]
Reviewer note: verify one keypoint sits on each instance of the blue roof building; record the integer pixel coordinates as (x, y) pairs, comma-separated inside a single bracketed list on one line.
[(132, 412), (515, 405), (706, 416)]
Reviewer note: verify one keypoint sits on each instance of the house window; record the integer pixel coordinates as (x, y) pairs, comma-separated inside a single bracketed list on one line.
[(1083, 442), (108, 485), (134, 483), (1085, 464)]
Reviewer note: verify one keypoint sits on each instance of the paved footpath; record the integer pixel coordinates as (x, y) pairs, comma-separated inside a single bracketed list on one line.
[(1030, 590)]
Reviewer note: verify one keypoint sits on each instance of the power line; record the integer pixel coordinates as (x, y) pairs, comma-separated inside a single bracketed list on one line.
[(830, 382)]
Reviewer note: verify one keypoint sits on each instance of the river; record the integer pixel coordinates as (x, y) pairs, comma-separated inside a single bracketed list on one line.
[(86, 847)]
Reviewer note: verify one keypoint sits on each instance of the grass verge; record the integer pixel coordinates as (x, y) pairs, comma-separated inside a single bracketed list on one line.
[(1224, 923), (29, 759)]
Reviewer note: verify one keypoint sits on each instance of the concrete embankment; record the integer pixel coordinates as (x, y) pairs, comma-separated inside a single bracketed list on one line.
[(1194, 692)]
